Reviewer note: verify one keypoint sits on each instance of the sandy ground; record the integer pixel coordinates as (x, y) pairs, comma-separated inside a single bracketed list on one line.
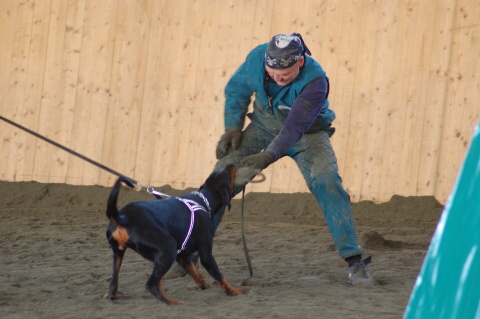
[(56, 261)]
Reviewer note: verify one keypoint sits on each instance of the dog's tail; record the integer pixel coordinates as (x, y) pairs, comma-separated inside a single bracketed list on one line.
[(112, 210)]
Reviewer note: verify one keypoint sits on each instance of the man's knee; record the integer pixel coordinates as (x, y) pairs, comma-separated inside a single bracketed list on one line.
[(327, 185)]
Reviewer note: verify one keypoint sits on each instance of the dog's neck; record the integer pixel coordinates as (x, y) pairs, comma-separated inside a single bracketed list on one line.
[(214, 198), (205, 200)]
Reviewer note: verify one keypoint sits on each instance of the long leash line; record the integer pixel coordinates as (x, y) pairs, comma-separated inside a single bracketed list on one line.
[(245, 248), (149, 189), (108, 169)]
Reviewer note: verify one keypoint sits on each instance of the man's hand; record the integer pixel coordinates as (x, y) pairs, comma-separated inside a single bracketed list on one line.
[(244, 175), (258, 161), (230, 139)]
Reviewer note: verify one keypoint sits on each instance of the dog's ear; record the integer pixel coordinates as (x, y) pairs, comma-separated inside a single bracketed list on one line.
[(231, 169), (223, 186), (222, 182)]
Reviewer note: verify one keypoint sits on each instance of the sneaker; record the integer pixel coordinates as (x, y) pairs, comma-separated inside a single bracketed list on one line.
[(359, 273), (177, 270)]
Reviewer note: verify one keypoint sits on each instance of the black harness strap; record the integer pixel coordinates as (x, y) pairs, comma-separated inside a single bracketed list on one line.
[(245, 248)]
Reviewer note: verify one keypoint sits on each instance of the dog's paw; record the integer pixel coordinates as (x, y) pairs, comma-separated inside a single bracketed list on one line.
[(111, 297), (234, 292), (204, 285)]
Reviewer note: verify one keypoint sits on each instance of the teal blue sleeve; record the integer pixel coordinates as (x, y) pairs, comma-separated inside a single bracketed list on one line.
[(238, 94)]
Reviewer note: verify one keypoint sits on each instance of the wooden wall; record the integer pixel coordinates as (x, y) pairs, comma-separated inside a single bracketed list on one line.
[(137, 85)]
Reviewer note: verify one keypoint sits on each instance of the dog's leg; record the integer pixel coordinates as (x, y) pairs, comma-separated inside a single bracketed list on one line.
[(117, 263), (154, 285), (229, 289), (194, 273), (209, 263)]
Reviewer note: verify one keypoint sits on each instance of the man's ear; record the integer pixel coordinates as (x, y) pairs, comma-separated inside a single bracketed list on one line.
[(301, 61)]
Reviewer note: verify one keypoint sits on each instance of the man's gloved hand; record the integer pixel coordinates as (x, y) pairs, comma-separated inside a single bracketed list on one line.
[(230, 139), (244, 175), (258, 161)]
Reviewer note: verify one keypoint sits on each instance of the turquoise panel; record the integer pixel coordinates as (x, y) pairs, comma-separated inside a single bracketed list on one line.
[(448, 285)]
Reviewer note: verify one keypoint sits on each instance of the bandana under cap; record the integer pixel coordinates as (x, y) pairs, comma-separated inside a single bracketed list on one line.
[(284, 50)]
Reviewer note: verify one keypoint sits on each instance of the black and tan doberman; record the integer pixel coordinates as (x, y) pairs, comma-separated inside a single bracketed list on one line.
[(166, 230)]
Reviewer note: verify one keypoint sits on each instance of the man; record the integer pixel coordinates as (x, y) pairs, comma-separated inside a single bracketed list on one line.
[(290, 118)]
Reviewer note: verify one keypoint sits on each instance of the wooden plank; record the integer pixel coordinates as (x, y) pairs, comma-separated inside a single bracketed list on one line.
[(170, 93), (64, 84), (348, 97), (287, 17), (189, 150), (379, 109), (356, 169), (35, 80), (19, 145), (148, 168), (405, 76), (343, 38), (417, 27), (93, 90), (126, 89), (262, 12), (8, 16), (424, 101), (206, 115), (50, 111), (462, 108), (433, 103), (187, 48)]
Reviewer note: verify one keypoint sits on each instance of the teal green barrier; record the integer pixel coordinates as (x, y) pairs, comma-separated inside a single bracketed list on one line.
[(448, 285)]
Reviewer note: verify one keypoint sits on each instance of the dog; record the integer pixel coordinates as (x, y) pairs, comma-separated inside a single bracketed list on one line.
[(166, 230)]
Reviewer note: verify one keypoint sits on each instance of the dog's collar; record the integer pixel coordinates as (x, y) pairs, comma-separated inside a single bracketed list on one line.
[(205, 200), (159, 195)]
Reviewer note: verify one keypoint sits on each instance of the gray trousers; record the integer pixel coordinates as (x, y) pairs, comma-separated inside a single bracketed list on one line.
[(316, 160)]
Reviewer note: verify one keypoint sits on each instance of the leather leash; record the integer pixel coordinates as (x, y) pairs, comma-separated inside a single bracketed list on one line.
[(245, 248), (68, 150)]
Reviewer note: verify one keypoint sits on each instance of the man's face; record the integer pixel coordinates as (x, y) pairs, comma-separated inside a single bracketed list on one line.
[(286, 76)]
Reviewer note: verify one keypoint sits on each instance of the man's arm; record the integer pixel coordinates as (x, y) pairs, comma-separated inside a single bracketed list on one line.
[(238, 95), (303, 113)]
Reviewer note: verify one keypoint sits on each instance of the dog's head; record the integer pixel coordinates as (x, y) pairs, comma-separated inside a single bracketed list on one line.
[(222, 182)]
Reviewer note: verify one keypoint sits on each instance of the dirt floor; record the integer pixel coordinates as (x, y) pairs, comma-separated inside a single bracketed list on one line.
[(56, 262)]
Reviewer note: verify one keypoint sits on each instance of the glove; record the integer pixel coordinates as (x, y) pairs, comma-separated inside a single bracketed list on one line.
[(230, 139), (244, 175), (258, 161)]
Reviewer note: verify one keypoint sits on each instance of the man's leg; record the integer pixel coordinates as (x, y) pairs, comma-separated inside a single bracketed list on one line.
[(316, 159)]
